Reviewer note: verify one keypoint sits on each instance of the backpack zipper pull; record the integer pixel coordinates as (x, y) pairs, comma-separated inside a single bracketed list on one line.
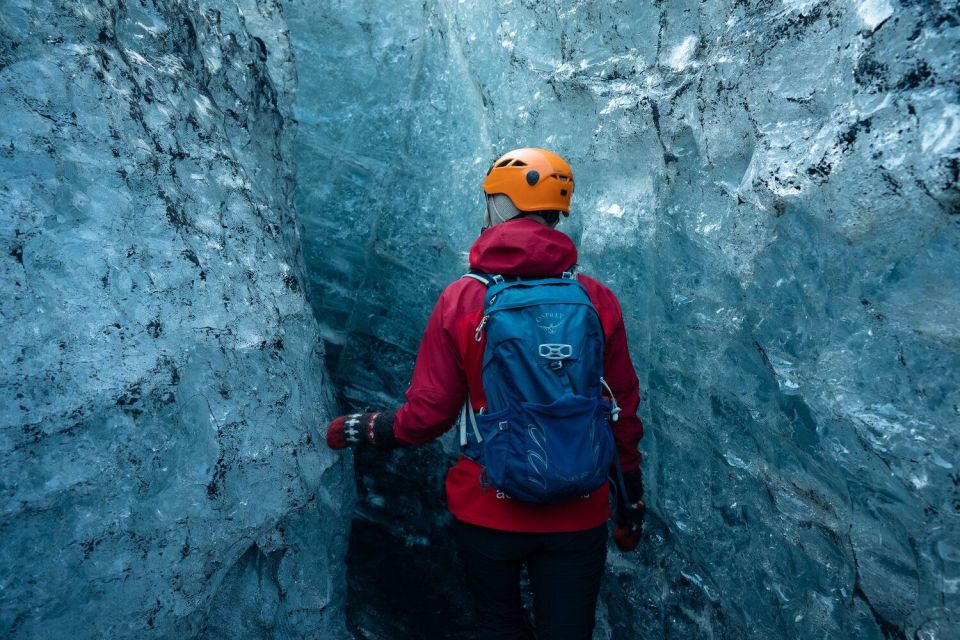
[(483, 323), (615, 408)]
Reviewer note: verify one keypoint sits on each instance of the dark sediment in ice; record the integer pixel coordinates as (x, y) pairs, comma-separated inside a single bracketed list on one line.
[(771, 188), (162, 375)]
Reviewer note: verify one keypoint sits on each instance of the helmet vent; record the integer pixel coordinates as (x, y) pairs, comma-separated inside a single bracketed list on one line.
[(519, 163), (504, 163)]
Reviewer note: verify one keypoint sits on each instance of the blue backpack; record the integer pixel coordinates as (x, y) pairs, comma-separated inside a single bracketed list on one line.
[(543, 437)]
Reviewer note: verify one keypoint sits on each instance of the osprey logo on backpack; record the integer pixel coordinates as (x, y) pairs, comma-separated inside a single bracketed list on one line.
[(549, 322), (543, 436)]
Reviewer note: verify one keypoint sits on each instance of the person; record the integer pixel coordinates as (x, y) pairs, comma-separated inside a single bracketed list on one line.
[(563, 545)]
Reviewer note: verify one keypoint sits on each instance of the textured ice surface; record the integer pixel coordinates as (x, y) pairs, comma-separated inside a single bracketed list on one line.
[(771, 188), (161, 385)]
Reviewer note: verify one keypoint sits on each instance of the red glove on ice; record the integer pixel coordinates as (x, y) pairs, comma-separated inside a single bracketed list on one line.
[(630, 511), (362, 429)]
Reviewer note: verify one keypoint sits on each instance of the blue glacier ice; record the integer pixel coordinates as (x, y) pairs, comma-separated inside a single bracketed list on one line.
[(162, 381), (770, 187), (224, 222)]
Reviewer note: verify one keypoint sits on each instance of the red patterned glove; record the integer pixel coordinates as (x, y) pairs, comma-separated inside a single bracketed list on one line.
[(362, 429), (630, 512)]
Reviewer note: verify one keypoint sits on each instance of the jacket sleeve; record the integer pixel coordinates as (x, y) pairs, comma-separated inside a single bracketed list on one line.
[(620, 375), (439, 387)]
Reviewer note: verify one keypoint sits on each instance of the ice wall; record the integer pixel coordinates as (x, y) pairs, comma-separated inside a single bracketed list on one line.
[(771, 188), (162, 383)]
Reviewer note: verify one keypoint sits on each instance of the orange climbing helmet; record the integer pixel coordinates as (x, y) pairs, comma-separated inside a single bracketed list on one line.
[(534, 180)]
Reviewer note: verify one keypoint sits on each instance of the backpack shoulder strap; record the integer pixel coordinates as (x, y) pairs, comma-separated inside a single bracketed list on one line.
[(485, 278), (488, 279)]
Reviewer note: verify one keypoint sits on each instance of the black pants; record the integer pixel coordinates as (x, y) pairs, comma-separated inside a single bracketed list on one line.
[(564, 569)]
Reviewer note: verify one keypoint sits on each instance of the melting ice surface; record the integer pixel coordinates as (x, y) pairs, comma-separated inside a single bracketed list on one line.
[(770, 187)]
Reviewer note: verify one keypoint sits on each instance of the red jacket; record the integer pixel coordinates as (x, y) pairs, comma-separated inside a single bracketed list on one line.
[(449, 363)]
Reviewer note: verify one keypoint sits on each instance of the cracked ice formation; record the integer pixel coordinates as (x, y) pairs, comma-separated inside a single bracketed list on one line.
[(772, 190), (162, 384)]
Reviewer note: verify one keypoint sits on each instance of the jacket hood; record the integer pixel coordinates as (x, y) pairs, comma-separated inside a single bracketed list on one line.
[(523, 248)]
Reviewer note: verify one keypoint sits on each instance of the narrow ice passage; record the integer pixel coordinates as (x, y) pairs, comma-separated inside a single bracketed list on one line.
[(224, 222)]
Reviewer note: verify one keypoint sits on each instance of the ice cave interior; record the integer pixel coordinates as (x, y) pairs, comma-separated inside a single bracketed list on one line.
[(226, 222)]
